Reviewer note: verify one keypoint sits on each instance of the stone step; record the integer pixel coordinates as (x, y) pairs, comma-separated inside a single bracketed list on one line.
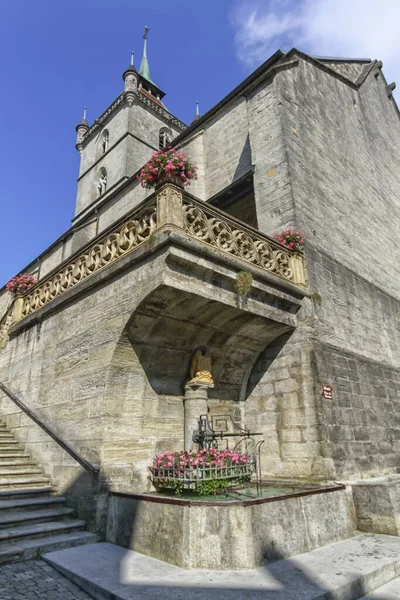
[(18, 470), (16, 465), (33, 492), (27, 503), (8, 442), (13, 456), (5, 435), (18, 481), (39, 530), (28, 549), (341, 571), (13, 448), (28, 517)]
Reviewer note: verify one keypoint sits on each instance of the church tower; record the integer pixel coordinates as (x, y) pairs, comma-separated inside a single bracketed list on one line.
[(123, 138)]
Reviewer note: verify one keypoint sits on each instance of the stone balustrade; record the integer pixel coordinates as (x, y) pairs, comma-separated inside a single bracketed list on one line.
[(168, 209)]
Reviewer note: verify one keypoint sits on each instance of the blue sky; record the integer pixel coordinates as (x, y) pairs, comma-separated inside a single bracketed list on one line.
[(59, 56)]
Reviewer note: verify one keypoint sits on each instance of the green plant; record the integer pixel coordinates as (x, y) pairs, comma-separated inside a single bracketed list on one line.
[(244, 281), (151, 241), (316, 298)]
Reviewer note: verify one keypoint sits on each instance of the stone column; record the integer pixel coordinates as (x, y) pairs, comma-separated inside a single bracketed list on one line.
[(169, 206), (195, 404)]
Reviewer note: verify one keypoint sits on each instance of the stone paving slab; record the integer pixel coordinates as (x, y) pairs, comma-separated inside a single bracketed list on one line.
[(343, 571), (34, 580), (390, 591)]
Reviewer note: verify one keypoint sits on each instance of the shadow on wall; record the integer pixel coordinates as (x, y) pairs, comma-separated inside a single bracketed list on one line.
[(89, 495), (265, 360), (244, 163)]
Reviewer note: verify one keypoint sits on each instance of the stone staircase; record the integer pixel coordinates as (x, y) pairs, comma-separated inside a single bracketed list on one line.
[(33, 518)]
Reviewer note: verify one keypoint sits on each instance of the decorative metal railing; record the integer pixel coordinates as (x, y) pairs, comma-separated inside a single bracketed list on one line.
[(167, 209), (193, 479)]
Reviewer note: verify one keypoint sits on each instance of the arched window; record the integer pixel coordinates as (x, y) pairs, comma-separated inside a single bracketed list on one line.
[(102, 182), (104, 141), (164, 138)]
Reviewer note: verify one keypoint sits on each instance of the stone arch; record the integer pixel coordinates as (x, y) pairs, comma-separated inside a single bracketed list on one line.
[(143, 401), (101, 183), (164, 137), (169, 324)]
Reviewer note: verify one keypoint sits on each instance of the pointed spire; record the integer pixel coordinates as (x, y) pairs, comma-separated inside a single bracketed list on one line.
[(197, 115), (144, 70), (83, 121)]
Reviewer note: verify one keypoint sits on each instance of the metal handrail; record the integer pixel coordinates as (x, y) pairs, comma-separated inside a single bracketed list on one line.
[(47, 429)]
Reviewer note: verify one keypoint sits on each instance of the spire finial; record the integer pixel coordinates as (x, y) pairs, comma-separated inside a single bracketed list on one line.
[(132, 55), (84, 113), (197, 109), (144, 70)]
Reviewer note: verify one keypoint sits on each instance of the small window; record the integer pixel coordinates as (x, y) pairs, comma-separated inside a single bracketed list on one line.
[(102, 182), (164, 138), (104, 141)]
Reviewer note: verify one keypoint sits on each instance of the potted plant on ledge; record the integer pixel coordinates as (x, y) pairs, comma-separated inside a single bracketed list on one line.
[(167, 165), (19, 284)]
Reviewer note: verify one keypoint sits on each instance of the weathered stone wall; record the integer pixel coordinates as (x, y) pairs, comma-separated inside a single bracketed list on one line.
[(194, 148), (61, 368), (272, 183), (281, 405), (226, 147), (343, 150), (342, 155)]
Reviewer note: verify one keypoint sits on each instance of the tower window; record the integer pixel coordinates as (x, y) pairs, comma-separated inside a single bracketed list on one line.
[(102, 182), (164, 138), (104, 141)]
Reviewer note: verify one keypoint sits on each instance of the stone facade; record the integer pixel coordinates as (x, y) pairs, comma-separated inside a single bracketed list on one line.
[(105, 364)]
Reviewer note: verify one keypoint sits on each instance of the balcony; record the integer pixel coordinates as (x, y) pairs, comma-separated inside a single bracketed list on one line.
[(168, 215)]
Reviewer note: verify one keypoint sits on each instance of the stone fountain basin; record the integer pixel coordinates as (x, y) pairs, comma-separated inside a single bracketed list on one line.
[(231, 533)]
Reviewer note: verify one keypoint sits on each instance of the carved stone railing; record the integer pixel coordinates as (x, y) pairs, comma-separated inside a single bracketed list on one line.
[(107, 249), (215, 228), (168, 209)]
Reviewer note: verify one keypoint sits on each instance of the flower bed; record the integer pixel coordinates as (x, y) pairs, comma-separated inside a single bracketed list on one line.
[(291, 238), (202, 472), (167, 165), (20, 284)]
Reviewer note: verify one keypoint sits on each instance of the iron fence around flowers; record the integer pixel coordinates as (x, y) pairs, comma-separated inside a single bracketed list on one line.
[(194, 478)]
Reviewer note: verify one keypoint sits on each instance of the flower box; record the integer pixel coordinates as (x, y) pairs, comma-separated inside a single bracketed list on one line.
[(19, 284), (167, 165), (202, 472)]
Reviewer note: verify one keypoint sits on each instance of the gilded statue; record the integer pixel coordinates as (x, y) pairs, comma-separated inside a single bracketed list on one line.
[(200, 369)]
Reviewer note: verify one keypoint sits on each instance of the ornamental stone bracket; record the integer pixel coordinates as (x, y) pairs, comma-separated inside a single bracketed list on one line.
[(169, 210)]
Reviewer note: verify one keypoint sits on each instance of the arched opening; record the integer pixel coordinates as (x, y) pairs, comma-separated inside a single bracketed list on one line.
[(104, 141), (101, 182), (164, 138)]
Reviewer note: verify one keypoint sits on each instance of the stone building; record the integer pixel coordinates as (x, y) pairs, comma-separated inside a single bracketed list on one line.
[(100, 348)]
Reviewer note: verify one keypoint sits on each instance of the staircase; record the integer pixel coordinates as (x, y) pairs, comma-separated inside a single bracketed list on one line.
[(33, 519)]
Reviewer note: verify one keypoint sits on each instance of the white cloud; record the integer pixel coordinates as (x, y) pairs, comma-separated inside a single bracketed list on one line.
[(350, 28)]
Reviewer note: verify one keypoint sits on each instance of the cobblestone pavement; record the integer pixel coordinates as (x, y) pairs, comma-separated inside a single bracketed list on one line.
[(35, 579)]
